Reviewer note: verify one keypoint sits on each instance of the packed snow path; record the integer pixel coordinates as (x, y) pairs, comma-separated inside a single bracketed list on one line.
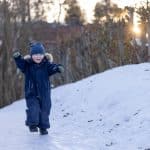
[(107, 111)]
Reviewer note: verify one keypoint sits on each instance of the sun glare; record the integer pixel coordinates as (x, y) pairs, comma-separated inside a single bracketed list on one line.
[(136, 30)]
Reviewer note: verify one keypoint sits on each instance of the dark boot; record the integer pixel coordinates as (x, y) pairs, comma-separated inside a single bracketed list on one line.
[(43, 131), (33, 128)]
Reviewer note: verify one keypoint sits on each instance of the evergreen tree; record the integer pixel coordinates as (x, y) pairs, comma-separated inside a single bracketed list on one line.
[(74, 15)]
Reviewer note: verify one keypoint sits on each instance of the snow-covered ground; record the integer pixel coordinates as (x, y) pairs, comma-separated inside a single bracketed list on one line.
[(107, 111)]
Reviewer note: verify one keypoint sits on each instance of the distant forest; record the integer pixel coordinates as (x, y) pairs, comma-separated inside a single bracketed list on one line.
[(83, 48)]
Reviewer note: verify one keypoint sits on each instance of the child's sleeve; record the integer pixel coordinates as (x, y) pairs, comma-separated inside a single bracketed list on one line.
[(20, 62), (54, 68)]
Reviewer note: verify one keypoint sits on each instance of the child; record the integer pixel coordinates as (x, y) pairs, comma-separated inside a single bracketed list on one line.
[(37, 70)]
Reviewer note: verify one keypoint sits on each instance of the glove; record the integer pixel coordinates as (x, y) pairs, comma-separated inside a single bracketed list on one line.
[(61, 69), (16, 54)]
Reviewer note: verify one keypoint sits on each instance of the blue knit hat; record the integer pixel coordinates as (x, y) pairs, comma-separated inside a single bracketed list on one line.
[(37, 48)]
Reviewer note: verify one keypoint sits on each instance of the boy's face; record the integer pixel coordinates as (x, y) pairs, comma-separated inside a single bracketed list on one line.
[(37, 58)]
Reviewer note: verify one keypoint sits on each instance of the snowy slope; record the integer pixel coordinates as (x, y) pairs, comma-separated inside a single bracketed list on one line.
[(107, 111)]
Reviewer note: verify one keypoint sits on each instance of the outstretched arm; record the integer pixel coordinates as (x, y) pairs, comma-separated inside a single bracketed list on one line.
[(20, 62), (55, 68)]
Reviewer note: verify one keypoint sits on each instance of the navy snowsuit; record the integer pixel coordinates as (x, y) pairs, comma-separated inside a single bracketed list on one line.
[(37, 90)]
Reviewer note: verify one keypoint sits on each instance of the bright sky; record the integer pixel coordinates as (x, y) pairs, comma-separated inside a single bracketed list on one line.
[(88, 6)]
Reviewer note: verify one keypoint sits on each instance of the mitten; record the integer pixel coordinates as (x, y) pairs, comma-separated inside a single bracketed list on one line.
[(61, 69), (16, 54)]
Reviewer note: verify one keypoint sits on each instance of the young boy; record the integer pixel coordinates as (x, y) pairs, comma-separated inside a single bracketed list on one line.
[(37, 70)]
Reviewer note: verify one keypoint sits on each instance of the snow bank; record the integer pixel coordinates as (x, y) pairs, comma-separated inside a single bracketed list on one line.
[(107, 111)]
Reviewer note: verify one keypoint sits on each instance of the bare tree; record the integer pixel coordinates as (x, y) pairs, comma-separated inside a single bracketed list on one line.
[(144, 13), (16, 30)]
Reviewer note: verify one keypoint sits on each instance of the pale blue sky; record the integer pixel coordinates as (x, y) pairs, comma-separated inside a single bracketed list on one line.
[(88, 6)]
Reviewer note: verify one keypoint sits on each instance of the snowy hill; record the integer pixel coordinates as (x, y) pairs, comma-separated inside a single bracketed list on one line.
[(107, 111)]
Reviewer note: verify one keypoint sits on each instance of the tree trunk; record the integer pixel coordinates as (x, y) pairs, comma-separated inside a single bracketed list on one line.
[(148, 31)]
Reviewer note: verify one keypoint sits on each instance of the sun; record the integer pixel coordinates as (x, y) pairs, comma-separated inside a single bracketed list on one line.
[(136, 29)]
